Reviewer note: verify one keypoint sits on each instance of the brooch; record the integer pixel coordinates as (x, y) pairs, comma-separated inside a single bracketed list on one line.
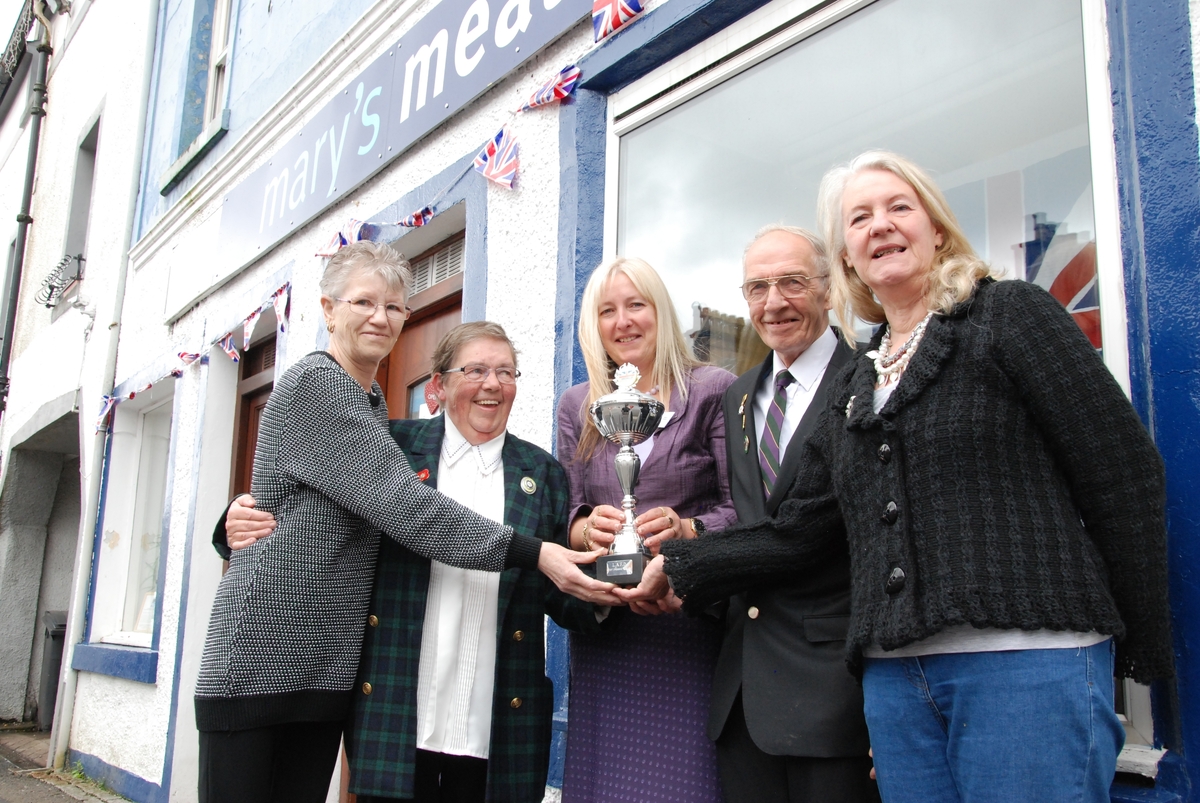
[(850, 406), (528, 485), (423, 474)]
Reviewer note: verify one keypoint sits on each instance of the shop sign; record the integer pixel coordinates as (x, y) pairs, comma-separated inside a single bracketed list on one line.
[(458, 50)]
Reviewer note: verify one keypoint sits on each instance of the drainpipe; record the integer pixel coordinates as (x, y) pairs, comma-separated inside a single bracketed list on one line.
[(37, 110), (64, 711)]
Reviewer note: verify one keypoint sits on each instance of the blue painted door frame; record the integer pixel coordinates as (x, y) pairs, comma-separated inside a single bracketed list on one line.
[(1158, 168)]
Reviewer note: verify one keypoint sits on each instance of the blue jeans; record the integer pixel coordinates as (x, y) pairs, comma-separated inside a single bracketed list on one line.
[(1008, 727)]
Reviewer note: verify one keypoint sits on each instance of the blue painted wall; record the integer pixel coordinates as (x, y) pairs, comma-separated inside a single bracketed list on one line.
[(1159, 177), (274, 43)]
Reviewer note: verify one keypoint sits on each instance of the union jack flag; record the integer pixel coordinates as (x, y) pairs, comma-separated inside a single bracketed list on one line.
[(418, 218), (499, 159), (226, 344), (557, 88), (107, 403), (280, 300), (1057, 261), (187, 358), (248, 328), (350, 233), (609, 15)]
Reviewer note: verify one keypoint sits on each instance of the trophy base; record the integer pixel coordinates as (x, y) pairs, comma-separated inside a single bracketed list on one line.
[(622, 570)]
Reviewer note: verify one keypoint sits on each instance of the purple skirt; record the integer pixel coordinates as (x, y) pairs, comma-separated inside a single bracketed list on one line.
[(636, 725)]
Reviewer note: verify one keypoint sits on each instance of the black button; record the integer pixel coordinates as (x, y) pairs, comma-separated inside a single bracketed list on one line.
[(885, 453), (895, 581), (890, 513)]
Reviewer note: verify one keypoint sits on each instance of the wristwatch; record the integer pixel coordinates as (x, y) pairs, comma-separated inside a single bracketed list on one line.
[(698, 527)]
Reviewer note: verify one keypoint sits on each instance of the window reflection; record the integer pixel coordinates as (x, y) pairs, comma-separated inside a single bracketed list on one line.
[(988, 97)]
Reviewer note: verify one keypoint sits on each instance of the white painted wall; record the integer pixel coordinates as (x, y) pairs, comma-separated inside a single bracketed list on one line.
[(121, 722)]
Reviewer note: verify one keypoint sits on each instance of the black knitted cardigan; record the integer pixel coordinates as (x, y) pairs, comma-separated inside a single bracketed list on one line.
[(1007, 478)]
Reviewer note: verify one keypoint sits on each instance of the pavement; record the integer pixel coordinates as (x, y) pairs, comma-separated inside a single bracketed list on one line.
[(23, 778)]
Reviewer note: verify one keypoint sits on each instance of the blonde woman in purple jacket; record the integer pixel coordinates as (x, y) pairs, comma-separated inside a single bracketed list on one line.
[(640, 690)]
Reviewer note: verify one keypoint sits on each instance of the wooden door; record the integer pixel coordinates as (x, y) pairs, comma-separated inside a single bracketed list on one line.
[(403, 374), (257, 370)]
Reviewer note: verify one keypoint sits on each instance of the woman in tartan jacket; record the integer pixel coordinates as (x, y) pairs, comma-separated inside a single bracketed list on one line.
[(396, 709)]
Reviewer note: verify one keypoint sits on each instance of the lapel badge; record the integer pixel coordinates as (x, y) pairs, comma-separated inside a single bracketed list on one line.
[(528, 485), (742, 406), (746, 444), (850, 406), (423, 474)]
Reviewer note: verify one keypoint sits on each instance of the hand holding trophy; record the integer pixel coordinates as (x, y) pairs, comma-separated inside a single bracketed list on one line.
[(626, 417)]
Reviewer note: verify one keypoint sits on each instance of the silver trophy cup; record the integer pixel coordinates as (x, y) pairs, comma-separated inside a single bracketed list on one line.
[(626, 416)]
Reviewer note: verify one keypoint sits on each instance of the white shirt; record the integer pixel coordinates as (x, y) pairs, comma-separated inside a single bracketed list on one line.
[(807, 370), (456, 675)]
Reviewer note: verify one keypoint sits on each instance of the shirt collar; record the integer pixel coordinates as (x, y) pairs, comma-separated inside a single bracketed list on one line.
[(810, 365), (487, 454)]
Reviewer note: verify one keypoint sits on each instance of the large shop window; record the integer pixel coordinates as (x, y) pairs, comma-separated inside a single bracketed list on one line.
[(991, 97), (988, 96), (128, 564)]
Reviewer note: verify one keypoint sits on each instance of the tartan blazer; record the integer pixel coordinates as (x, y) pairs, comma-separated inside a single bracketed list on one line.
[(381, 734)]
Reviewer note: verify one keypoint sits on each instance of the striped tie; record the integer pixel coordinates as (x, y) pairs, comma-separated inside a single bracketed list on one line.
[(768, 449)]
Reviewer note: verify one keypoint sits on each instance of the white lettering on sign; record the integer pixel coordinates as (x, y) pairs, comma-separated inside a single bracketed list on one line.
[(399, 97), (468, 33), (421, 59)]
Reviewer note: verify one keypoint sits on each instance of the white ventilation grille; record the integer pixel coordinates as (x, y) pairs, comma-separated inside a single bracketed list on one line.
[(438, 266)]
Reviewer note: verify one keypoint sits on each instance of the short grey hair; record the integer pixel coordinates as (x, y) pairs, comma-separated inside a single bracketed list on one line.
[(466, 333), (818, 246), (367, 258)]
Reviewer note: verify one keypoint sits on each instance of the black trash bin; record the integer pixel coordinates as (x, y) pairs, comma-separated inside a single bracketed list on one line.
[(55, 623)]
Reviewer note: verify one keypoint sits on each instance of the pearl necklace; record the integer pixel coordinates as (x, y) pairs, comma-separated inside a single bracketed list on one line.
[(890, 367)]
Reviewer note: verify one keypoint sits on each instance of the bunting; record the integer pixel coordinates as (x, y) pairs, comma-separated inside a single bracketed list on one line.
[(248, 328), (608, 16), (557, 88), (280, 299), (418, 218), (187, 358), (226, 344), (500, 158), (350, 233)]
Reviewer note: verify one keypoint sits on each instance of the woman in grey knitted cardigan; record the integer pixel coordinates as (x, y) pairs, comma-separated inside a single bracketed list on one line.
[(1004, 508), (287, 624)]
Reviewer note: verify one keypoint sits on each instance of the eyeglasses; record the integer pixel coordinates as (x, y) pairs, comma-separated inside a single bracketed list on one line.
[(366, 308), (793, 285), (477, 374)]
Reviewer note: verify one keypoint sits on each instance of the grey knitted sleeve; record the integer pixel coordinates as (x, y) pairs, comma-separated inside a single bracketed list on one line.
[(332, 442)]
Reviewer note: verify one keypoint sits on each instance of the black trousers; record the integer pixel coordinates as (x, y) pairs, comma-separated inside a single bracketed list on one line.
[(748, 775), (289, 763), (442, 778)]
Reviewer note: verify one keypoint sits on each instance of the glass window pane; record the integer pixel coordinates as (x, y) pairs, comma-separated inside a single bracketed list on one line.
[(989, 97), (142, 585)]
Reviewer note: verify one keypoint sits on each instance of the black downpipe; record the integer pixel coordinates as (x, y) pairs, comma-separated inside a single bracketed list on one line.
[(37, 110)]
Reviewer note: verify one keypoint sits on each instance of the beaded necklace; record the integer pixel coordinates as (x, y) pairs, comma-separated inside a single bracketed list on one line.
[(890, 367)]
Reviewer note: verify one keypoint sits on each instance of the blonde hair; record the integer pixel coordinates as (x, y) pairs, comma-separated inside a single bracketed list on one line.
[(673, 361), (956, 267)]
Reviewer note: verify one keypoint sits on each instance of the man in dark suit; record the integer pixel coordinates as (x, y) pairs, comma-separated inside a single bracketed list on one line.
[(786, 715), (424, 726)]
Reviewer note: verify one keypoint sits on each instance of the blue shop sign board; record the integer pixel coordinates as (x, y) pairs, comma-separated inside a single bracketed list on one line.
[(451, 56)]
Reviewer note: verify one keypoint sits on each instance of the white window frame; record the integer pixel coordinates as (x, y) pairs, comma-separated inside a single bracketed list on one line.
[(114, 562), (777, 26), (220, 49)]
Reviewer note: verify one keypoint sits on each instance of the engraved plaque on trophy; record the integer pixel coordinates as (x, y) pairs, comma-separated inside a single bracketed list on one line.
[(626, 416)]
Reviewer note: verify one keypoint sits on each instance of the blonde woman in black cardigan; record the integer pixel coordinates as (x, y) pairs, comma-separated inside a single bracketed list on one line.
[(1004, 508)]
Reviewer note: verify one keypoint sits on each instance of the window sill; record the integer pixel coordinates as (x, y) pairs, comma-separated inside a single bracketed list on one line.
[(200, 146), (132, 663), (1140, 760)]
